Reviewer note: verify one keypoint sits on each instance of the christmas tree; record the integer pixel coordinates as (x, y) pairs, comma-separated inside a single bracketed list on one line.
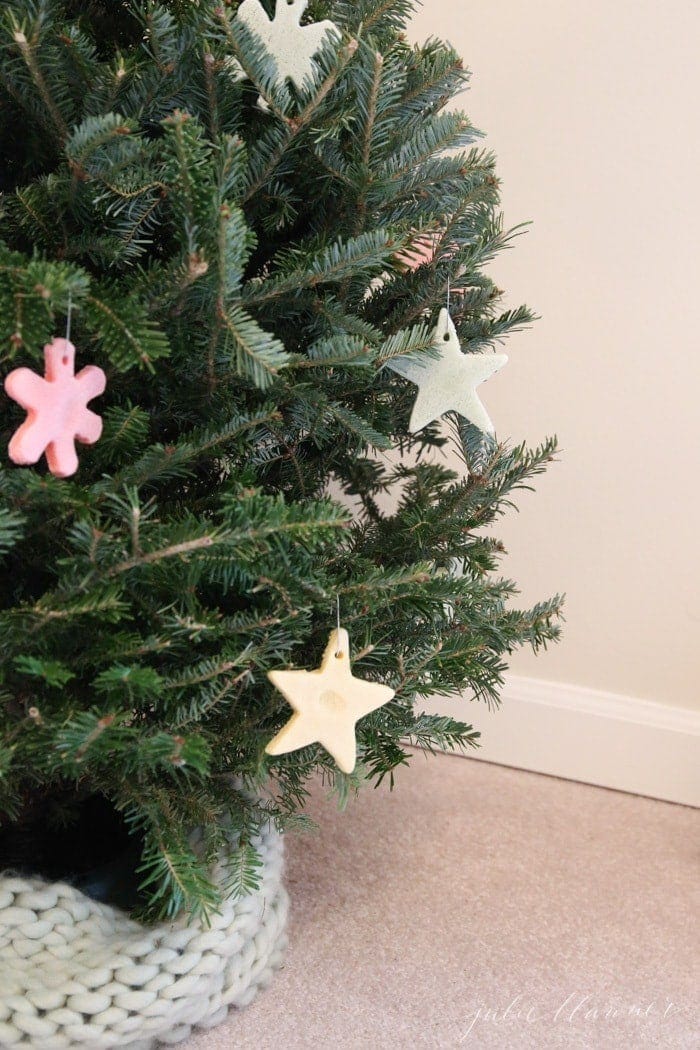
[(253, 237)]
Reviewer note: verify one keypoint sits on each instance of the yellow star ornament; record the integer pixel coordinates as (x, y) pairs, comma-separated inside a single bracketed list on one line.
[(328, 703)]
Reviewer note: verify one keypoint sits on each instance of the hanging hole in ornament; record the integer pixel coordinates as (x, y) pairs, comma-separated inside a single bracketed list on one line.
[(65, 359), (446, 337)]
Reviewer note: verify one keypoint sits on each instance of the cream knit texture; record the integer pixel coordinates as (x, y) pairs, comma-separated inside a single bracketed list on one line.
[(76, 973)]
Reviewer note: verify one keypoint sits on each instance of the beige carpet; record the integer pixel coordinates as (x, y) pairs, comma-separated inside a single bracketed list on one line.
[(483, 907)]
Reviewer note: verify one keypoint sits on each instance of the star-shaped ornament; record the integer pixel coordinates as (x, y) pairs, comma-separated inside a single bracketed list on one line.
[(292, 45), (448, 383), (327, 702), (57, 412)]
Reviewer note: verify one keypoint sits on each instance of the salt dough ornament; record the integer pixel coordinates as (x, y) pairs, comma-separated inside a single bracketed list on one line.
[(327, 702), (422, 253), (292, 45), (448, 383), (57, 412)]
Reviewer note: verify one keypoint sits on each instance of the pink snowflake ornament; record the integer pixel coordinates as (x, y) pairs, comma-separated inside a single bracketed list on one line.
[(57, 412)]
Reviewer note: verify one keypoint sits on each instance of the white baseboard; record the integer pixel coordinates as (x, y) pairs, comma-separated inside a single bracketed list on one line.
[(583, 734)]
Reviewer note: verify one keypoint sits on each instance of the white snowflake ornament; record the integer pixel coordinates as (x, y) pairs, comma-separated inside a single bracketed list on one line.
[(292, 45), (448, 383)]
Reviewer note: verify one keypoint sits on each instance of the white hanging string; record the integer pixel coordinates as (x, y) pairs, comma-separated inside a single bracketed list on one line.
[(69, 317)]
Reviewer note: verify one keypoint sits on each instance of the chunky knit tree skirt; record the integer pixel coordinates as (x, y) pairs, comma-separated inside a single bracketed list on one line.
[(75, 973)]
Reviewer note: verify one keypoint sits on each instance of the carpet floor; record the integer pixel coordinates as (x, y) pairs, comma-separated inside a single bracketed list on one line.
[(479, 906)]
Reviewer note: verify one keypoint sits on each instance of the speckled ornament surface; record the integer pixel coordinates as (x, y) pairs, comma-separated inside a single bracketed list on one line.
[(57, 412), (448, 383), (292, 45), (328, 703)]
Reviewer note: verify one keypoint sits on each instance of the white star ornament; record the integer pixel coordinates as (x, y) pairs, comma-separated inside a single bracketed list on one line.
[(291, 44), (328, 703), (448, 383)]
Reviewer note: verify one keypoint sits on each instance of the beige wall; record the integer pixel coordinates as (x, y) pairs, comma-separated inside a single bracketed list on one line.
[(593, 110)]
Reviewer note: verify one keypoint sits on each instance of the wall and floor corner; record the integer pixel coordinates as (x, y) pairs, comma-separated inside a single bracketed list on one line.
[(590, 109)]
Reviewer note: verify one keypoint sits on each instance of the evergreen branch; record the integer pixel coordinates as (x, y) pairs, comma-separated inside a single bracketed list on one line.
[(243, 871), (482, 247), (290, 528), (247, 50), (294, 126), (436, 72), (537, 626), (101, 145), (209, 61), (441, 132), (25, 197), (11, 529), (311, 107), (372, 15), (199, 710), (175, 550), (174, 876), (162, 461), (333, 264), (398, 10), (372, 109), (438, 732), (353, 423), (380, 581), (344, 351), (339, 321), (204, 673), (127, 194), (189, 152), (256, 353), (233, 247), (28, 51), (408, 341), (128, 335), (105, 602)]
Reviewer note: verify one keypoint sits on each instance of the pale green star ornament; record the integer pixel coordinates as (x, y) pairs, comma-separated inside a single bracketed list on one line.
[(448, 383), (328, 703)]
